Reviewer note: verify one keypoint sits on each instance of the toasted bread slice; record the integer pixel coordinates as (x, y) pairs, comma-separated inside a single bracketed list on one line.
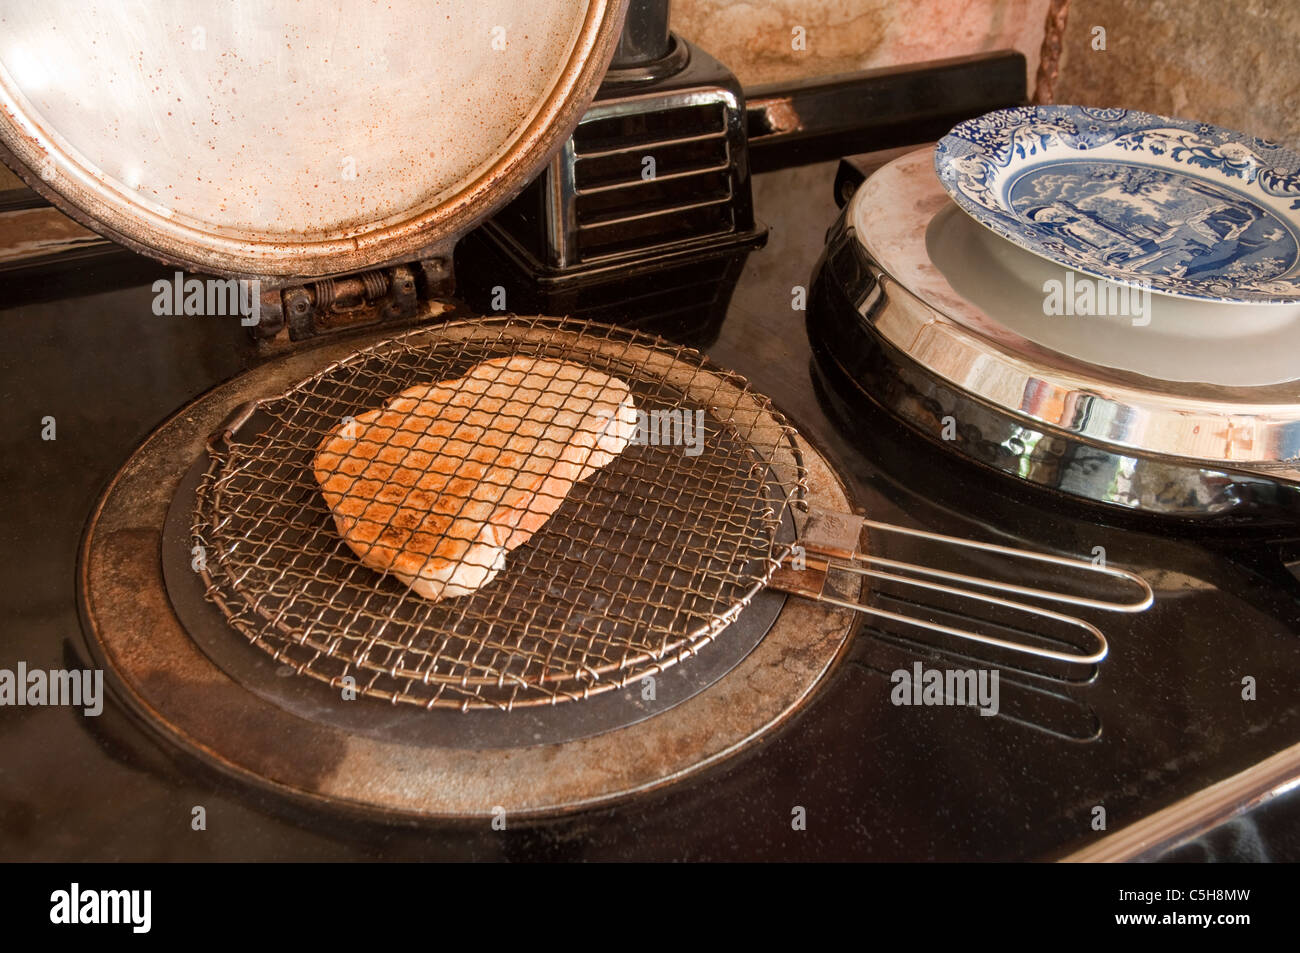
[(439, 485)]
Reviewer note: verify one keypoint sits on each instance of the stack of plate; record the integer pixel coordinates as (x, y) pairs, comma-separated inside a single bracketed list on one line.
[(1099, 300)]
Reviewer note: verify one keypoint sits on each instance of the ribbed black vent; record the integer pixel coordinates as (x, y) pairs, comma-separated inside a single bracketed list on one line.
[(620, 209)]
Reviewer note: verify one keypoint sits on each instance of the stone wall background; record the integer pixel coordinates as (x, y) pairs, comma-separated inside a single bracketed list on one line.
[(1231, 62), (754, 38), (1235, 63)]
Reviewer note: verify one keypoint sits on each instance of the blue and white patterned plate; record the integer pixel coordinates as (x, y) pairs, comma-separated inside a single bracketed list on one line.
[(1185, 208)]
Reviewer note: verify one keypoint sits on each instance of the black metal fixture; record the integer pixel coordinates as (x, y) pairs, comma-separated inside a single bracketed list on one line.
[(647, 203)]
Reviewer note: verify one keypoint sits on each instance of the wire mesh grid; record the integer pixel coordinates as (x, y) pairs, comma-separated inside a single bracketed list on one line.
[(644, 561)]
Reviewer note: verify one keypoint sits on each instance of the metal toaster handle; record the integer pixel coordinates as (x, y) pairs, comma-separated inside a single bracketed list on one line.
[(830, 542)]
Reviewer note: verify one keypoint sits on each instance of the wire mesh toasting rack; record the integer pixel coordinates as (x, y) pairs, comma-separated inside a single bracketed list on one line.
[(643, 564)]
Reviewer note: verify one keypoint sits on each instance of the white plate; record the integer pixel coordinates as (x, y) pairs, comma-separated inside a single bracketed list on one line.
[(1172, 339)]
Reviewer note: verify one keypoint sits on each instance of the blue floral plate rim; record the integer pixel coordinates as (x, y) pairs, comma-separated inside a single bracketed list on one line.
[(1185, 208)]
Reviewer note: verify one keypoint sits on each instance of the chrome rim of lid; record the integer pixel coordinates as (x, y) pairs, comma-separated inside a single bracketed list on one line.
[(915, 308), (283, 139)]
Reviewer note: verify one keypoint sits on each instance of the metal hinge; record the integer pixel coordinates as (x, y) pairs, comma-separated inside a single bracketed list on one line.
[(327, 305)]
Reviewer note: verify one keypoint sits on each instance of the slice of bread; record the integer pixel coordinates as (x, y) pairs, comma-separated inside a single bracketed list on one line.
[(440, 484)]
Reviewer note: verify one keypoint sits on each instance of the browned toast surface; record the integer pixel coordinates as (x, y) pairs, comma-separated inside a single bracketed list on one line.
[(440, 484)]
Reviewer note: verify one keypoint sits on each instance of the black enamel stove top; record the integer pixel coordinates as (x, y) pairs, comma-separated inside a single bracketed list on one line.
[(1161, 719)]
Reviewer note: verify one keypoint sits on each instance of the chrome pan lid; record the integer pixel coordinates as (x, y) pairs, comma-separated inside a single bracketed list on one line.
[(1072, 378), (290, 139)]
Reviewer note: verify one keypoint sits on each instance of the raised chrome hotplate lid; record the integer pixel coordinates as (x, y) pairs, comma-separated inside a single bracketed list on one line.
[(278, 138)]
